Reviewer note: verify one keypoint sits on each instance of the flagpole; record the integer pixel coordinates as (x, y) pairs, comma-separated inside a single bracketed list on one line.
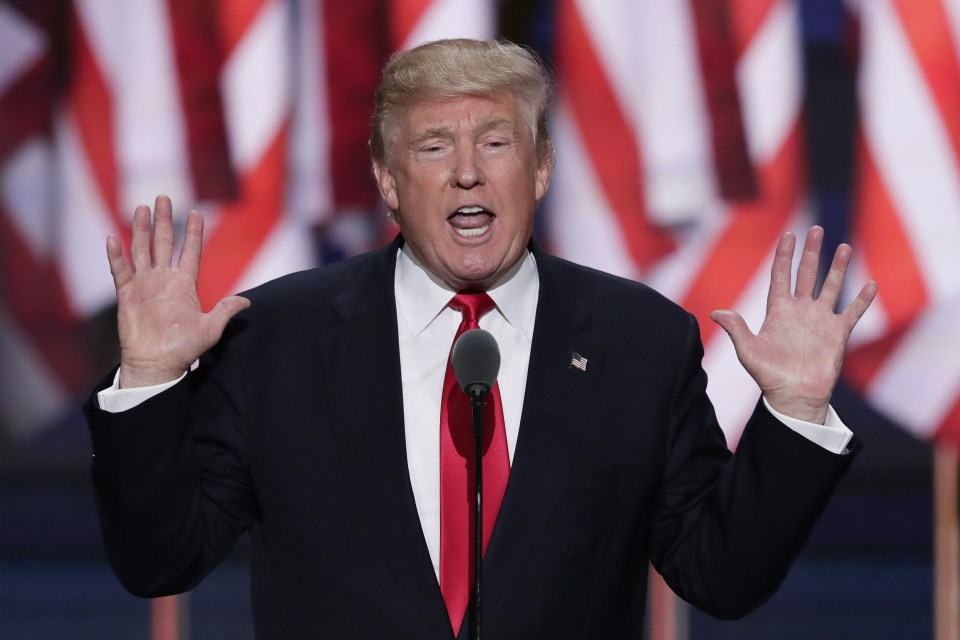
[(667, 613), (946, 552), (168, 618)]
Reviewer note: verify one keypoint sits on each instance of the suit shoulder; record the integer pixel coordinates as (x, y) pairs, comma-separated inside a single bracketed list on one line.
[(306, 301), (600, 288), (321, 284)]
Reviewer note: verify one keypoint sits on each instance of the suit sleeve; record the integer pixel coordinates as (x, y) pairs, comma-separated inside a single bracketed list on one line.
[(171, 480), (725, 529)]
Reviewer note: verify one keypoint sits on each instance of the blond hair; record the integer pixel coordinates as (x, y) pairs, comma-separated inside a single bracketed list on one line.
[(446, 69)]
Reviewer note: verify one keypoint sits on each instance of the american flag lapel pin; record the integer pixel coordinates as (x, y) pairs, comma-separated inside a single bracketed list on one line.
[(578, 361)]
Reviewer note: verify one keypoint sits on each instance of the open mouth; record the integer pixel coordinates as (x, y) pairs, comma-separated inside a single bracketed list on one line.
[(470, 222)]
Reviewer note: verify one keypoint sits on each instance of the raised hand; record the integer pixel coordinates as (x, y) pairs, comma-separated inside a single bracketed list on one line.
[(161, 325), (796, 356)]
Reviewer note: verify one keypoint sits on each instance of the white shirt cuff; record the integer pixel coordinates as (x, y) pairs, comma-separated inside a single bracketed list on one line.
[(833, 435), (114, 399)]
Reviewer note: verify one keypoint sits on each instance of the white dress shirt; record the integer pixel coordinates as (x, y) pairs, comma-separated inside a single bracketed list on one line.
[(426, 327)]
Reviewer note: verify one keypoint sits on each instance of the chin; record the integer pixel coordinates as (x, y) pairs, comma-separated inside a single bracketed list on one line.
[(473, 275), (473, 282)]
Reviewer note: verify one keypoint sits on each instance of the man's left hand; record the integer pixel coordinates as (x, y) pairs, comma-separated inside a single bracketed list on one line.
[(796, 356)]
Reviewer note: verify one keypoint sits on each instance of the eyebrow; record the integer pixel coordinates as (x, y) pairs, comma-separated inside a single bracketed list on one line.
[(432, 132), (498, 124), (487, 124)]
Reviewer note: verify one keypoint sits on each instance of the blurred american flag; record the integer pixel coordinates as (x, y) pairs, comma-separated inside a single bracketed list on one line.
[(679, 129), (679, 139), (907, 362), (256, 112)]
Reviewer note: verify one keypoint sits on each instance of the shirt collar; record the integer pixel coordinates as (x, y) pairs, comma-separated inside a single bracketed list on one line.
[(421, 296)]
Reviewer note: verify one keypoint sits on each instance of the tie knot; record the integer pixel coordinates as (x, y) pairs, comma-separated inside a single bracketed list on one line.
[(472, 306)]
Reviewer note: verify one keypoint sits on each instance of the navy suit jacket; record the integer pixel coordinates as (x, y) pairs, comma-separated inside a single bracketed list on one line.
[(292, 429)]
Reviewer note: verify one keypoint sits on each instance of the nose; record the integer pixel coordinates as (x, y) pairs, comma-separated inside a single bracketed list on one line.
[(467, 171)]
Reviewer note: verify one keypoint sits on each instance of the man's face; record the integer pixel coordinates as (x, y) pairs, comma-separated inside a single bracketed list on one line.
[(463, 179)]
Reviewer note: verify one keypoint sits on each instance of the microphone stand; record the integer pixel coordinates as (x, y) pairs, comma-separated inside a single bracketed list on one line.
[(476, 359), (476, 400)]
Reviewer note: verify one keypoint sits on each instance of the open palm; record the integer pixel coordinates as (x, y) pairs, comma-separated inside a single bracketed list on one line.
[(161, 324), (797, 354)]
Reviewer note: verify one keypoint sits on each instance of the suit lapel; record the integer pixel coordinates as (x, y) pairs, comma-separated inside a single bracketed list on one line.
[(555, 408), (361, 365)]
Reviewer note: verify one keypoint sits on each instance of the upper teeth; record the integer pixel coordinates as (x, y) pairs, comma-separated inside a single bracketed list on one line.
[(469, 209)]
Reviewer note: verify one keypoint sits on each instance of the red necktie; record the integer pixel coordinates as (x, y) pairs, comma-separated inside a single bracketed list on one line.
[(457, 499)]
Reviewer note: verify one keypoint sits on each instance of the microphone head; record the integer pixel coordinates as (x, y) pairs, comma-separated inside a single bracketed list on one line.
[(476, 361)]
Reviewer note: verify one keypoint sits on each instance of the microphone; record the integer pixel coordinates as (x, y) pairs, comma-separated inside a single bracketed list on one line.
[(476, 361)]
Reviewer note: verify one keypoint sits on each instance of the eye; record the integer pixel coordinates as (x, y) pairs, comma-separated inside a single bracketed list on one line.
[(495, 144), (432, 147)]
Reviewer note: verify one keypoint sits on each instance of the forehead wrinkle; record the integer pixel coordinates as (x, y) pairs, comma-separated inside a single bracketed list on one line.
[(497, 123)]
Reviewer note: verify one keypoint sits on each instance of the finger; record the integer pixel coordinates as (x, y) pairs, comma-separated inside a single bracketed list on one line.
[(192, 246), (119, 267), (140, 244), (220, 315), (860, 304), (809, 263), (162, 232), (780, 269), (833, 283)]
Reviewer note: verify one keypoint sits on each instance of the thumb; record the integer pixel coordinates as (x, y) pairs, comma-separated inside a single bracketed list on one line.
[(734, 324), (226, 309)]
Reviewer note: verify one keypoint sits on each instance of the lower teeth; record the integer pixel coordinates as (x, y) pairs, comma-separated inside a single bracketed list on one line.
[(472, 232)]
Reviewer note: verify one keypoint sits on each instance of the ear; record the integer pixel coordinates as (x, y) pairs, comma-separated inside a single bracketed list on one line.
[(387, 184), (544, 172)]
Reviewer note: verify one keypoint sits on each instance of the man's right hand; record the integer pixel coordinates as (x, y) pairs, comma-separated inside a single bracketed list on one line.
[(161, 325)]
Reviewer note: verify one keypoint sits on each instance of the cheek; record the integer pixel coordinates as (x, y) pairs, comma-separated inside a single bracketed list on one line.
[(417, 226)]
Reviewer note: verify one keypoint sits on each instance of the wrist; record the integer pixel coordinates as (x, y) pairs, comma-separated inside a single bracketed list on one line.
[(799, 409), (131, 376)]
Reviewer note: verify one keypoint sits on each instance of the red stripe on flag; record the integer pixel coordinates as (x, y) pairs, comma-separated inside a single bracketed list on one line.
[(36, 299), (752, 232), (927, 27), (404, 16), (244, 226), (883, 243), (91, 104), (716, 46), (235, 17), (199, 57), (864, 363), (352, 33), (748, 18), (607, 137)]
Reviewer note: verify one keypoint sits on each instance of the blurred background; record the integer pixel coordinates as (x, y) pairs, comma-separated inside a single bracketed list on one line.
[(690, 134)]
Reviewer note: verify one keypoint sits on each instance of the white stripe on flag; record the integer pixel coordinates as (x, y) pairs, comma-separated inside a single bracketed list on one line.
[(84, 225), (256, 85), (22, 46), (770, 77), (25, 183), (911, 148), (310, 186), (920, 380)]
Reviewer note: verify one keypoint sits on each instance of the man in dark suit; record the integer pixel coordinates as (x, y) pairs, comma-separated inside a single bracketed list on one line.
[(312, 418)]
